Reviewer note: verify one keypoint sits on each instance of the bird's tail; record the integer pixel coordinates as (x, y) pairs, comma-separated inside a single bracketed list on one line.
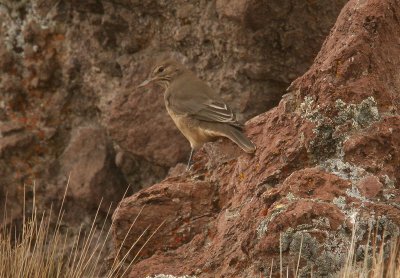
[(240, 139)]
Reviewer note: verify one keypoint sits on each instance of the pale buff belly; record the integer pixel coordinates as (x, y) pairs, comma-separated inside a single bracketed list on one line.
[(193, 130)]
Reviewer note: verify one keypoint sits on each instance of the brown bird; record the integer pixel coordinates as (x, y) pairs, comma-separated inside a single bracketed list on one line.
[(197, 110)]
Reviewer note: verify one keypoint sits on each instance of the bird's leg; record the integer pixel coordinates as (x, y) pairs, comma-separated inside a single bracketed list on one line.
[(190, 160)]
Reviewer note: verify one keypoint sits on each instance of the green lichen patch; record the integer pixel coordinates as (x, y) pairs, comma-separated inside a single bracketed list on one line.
[(359, 115), (331, 132)]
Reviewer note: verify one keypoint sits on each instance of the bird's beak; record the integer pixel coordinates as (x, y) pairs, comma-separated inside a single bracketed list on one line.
[(146, 82)]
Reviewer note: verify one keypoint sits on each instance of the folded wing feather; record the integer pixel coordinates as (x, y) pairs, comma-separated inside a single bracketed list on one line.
[(216, 111)]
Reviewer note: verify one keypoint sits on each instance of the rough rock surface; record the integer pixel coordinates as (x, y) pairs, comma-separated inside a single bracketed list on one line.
[(250, 58), (93, 175), (66, 65), (327, 158)]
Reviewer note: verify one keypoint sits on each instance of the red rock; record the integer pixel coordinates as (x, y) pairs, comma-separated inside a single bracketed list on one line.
[(377, 149), (14, 142), (370, 186), (227, 216), (297, 214), (140, 123), (137, 120), (88, 161), (7, 128), (232, 9), (83, 63), (312, 183), (332, 131), (190, 203)]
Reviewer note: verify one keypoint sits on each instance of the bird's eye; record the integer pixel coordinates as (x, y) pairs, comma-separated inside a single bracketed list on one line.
[(160, 69)]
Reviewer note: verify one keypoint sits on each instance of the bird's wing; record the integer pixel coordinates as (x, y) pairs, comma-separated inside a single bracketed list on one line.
[(215, 111), (204, 108)]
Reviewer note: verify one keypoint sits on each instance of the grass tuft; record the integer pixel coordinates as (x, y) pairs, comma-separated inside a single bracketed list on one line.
[(379, 260), (43, 250)]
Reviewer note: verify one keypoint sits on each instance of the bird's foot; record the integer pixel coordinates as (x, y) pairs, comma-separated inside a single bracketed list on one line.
[(189, 164)]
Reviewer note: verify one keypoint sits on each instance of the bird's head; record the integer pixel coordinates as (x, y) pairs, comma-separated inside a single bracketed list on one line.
[(163, 73)]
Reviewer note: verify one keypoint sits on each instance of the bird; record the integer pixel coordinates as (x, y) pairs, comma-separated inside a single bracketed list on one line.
[(196, 109)]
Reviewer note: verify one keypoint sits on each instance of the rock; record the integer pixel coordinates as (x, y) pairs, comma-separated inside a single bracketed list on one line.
[(232, 9), (253, 82), (325, 160), (184, 11), (7, 128), (64, 64), (74, 65), (143, 133), (13, 137), (138, 172), (182, 33), (376, 149), (370, 186), (314, 183), (88, 161), (14, 142), (193, 205)]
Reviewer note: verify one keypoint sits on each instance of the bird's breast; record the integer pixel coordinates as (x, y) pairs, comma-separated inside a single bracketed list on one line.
[(191, 129)]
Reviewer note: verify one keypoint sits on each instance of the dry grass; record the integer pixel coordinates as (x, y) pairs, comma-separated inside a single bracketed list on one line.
[(377, 262), (41, 250)]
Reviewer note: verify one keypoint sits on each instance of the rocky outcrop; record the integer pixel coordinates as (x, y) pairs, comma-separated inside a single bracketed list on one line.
[(93, 176), (67, 65), (327, 158), (249, 53)]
